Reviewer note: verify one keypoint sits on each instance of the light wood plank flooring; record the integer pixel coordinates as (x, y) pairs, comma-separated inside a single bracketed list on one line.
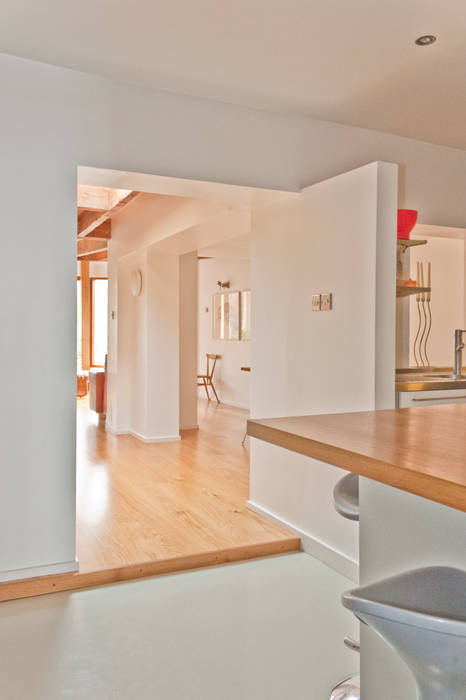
[(139, 502), (149, 509)]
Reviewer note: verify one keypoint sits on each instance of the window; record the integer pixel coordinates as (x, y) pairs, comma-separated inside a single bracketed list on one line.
[(232, 315), (99, 296), (245, 315), (226, 316)]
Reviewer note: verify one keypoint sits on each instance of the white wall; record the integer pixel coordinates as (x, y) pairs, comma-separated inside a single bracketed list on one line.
[(231, 383), (143, 393), (447, 298), (141, 227), (144, 405), (53, 120), (127, 370), (163, 347), (188, 340), (339, 237)]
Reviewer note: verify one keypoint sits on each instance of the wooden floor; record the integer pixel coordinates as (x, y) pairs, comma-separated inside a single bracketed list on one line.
[(145, 509), (140, 502)]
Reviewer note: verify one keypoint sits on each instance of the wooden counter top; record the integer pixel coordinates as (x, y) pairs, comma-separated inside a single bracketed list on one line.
[(420, 450)]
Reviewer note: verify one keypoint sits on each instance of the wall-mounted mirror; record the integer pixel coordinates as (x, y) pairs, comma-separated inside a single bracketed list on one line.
[(232, 316)]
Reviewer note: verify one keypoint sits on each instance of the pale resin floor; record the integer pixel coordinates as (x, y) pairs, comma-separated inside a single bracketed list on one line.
[(269, 629)]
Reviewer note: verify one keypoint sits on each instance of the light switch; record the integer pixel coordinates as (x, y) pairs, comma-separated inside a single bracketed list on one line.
[(315, 302), (326, 302)]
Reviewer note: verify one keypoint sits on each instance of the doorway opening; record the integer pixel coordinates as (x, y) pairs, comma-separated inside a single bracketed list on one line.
[(163, 473)]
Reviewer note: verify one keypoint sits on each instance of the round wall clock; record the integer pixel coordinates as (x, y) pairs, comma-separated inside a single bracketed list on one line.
[(136, 283)]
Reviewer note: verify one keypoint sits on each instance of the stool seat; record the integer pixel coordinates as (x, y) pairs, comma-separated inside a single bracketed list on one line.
[(346, 496), (433, 598), (421, 614)]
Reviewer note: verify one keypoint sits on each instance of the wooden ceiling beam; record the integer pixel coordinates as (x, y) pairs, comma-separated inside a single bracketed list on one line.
[(123, 202), (83, 209), (97, 224), (87, 217), (99, 228), (93, 197), (99, 255), (99, 198), (86, 246)]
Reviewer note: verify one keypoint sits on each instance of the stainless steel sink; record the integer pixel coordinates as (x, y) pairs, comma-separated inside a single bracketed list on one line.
[(445, 376), (441, 376)]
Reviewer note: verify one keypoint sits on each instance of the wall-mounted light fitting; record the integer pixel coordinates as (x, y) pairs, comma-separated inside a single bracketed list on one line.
[(223, 285), (425, 40)]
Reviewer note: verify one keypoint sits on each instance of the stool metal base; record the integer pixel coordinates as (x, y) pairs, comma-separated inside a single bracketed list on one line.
[(349, 689)]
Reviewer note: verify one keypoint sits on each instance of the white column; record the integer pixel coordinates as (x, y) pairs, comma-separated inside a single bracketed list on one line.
[(188, 340)]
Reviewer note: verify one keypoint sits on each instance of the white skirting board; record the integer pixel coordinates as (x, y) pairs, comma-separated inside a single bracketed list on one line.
[(64, 567), (154, 438), (146, 438), (309, 544)]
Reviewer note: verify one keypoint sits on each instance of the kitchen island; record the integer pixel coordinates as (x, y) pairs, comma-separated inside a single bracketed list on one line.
[(412, 464), (420, 450)]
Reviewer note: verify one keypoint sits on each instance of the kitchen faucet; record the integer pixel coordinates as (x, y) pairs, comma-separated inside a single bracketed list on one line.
[(459, 345)]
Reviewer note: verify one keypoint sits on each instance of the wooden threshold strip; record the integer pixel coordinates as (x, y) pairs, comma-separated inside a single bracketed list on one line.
[(42, 585)]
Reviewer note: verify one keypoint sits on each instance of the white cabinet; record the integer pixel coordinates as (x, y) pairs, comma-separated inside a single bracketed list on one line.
[(407, 399)]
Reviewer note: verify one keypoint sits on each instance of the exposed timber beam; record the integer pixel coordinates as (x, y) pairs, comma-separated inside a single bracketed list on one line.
[(91, 219), (100, 198), (88, 257), (90, 246), (99, 228), (121, 203), (87, 217)]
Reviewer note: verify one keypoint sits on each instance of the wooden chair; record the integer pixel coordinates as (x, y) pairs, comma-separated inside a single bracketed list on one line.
[(206, 379), (82, 385)]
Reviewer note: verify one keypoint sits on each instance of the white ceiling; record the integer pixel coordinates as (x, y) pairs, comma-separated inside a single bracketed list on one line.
[(350, 62)]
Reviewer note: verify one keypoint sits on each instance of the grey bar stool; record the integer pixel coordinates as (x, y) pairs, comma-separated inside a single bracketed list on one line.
[(349, 689), (421, 614), (346, 502), (346, 496)]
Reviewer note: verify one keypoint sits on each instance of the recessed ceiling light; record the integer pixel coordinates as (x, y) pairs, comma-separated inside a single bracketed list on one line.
[(426, 40)]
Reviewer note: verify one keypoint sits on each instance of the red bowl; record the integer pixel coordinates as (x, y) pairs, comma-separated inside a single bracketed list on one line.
[(406, 222)]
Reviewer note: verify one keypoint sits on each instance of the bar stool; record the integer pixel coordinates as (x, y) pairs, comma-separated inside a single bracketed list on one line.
[(421, 614), (348, 689), (346, 496), (346, 502)]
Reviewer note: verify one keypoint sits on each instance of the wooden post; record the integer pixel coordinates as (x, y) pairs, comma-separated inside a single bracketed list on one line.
[(86, 315)]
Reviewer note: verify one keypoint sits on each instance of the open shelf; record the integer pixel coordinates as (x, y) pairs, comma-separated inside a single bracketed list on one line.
[(405, 291), (409, 242)]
